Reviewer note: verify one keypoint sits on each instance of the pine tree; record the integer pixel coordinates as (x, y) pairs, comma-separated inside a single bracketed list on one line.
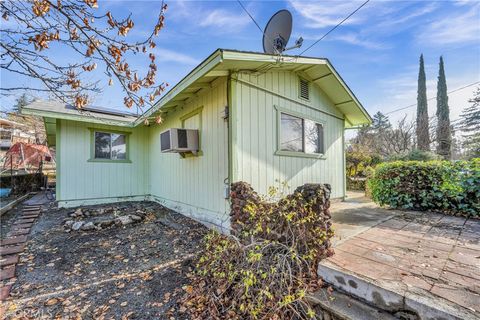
[(21, 101), (470, 126), (423, 137), (444, 135), (380, 122)]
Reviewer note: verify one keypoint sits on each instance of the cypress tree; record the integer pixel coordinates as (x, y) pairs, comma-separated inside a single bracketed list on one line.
[(444, 134), (423, 137)]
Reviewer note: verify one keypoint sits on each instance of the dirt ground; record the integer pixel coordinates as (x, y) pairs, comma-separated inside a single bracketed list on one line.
[(124, 272)]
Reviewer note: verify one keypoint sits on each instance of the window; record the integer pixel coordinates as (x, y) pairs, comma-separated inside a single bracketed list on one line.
[(110, 146), (300, 135)]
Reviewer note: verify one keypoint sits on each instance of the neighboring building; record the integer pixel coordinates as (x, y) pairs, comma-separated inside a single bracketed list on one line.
[(12, 132), (261, 119)]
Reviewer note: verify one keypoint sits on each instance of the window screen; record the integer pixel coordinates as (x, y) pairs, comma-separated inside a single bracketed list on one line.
[(110, 146), (313, 137), (301, 135), (291, 138)]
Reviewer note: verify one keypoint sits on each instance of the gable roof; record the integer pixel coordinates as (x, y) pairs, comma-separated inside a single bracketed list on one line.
[(219, 64), (318, 70)]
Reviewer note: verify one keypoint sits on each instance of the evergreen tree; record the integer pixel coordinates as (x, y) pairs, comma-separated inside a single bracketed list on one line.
[(470, 126), (21, 101), (444, 134), (380, 122), (423, 137)]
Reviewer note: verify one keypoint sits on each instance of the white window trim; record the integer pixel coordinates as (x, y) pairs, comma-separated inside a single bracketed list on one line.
[(301, 154)]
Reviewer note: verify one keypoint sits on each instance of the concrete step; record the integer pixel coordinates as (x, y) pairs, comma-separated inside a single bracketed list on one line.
[(410, 305), (337, 305)]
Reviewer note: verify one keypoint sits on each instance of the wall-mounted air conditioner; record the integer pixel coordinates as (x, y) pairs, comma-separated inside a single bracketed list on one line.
[(179, 140)]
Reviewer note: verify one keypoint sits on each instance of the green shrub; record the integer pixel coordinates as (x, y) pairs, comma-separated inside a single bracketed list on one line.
[(468, 181), (356, 183), (428, 185)]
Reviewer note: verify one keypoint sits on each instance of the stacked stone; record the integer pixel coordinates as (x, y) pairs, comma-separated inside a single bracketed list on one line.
[(311, 201)]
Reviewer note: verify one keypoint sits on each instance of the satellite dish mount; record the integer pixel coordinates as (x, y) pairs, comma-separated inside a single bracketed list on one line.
[(277, 33)]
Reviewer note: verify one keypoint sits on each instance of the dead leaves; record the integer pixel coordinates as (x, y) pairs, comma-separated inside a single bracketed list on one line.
[(123, 29), (41, 40), (51, 302), (40, 7), (92, 3), (188, 289)]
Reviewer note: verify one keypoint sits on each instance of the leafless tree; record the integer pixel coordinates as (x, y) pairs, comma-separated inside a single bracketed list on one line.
[(90, 37), (400, 139)]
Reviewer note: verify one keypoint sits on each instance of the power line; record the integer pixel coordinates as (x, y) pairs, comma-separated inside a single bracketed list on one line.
[(335, 27), (414, 104), (251, 17)]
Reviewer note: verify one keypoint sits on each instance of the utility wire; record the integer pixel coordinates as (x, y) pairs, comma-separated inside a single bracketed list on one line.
[(335, 27), (251, 17), (414, 104)]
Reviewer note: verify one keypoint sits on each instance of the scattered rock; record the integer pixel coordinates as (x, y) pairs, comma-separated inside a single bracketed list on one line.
[(105, 224), (77, 225), (124, 220), (69, 223), (135, 217), (88, 226), (78, 212)]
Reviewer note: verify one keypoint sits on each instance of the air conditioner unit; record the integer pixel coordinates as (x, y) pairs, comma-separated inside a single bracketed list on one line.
[(179, 140)]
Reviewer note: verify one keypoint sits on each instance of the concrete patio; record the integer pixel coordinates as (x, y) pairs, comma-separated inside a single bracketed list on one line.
[(424, 265)]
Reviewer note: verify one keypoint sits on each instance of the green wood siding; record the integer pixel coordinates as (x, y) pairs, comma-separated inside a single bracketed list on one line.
[(255, 126), (82, 181), (194, 185)]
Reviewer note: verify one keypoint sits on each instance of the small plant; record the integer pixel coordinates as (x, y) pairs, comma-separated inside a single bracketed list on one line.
[(268, 266)]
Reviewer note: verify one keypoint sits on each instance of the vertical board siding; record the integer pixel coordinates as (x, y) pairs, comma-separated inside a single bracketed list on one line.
[(194, 185), (81, 180), (256, 139)]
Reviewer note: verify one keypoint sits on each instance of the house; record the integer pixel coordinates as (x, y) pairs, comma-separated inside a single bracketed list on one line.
[(12, 132), (262, 119)]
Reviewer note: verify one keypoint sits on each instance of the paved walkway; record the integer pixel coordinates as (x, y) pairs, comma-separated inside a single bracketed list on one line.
[(13, 245), (427, 257)]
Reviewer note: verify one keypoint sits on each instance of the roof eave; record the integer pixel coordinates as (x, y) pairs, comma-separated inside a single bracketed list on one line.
[(73, 117), (350, 92), (202, 69)]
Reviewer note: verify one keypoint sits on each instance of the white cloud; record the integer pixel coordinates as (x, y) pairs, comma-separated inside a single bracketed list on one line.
[(395, 20), (455, 28), (321, 14), (356, 39), (166, 55), (222, 18)]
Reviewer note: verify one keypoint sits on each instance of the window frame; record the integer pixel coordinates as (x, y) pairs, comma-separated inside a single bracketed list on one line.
[(193, 113), (302, 154), (92, 146)]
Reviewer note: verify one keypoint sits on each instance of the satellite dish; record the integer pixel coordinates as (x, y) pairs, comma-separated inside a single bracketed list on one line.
[(277, 33)]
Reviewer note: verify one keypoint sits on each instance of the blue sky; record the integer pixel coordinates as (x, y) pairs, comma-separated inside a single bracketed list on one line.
[(376, 51)]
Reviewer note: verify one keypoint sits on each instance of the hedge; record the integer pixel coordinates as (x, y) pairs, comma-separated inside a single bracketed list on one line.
[(450, 187)]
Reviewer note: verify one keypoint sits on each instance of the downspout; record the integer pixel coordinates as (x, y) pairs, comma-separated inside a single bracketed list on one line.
[(228, 181), (344, 160)]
